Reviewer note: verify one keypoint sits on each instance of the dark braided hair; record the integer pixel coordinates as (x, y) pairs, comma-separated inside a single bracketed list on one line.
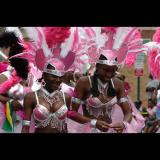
[(9, 39), (111, 92)]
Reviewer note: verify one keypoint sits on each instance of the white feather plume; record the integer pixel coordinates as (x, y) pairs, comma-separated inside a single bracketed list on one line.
[(120, 36)]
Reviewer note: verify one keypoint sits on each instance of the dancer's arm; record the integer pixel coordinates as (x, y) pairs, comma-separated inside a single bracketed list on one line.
[(80, 91), (29, 101), (123, 103)]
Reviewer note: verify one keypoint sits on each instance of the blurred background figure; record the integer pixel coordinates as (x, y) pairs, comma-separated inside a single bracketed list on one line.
[(151, 86)]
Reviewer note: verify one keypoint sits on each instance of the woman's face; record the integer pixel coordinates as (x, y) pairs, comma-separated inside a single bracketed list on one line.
[(105, 72), (5, 50), (52, 81)]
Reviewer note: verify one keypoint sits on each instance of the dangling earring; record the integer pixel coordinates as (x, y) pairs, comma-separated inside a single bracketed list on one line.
[(43, 82)]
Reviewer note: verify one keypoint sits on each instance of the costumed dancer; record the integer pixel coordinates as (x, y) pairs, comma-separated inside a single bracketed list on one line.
[(69, 44), (12, 84), (104, 94)]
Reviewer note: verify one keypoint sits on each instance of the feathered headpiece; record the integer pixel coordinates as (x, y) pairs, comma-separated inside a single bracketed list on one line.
[(115, 43), (71, 46), (64, 44), (153, 54)]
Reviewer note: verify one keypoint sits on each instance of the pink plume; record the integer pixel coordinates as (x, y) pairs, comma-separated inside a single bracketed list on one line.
[(57, 50), (122, 52), (110, 41), (12, 80), (56, 35), (68, 60), (40, 59), (28, 45), (35, 72), (136, 45), (40, 37), (92, 54), (76, 39), (109, 29), (90, 32), (153, 65), (130, 60)]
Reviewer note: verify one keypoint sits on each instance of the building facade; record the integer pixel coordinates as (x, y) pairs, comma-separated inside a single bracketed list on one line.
[(147, 32)]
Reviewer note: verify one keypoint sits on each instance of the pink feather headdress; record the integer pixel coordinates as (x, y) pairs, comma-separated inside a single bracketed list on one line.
[(135, 48), (153, 54), (64, 47), (115, 43), (72, 46), (78, 46)]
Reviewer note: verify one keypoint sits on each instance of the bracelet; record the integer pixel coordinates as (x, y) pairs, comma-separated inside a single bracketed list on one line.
[(122, 100), (93, 123), (76, 100), (26, 123)]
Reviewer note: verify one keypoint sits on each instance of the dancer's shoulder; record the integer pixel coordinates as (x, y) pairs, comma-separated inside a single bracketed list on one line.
[(118, 83), (84, 83)]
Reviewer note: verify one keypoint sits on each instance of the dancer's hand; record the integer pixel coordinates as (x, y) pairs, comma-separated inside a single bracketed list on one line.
[(119, 127), (102, 125)]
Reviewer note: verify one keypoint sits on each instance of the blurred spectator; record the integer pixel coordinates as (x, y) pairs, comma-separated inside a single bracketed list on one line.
[(152, 85)]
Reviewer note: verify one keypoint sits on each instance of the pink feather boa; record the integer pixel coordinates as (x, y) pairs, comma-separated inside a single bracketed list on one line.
[(12, 80)]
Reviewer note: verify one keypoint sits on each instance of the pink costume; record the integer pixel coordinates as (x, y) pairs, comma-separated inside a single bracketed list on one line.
[(43, 117), (112, 110), (70, 48), (125, 41), (115, 50)]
